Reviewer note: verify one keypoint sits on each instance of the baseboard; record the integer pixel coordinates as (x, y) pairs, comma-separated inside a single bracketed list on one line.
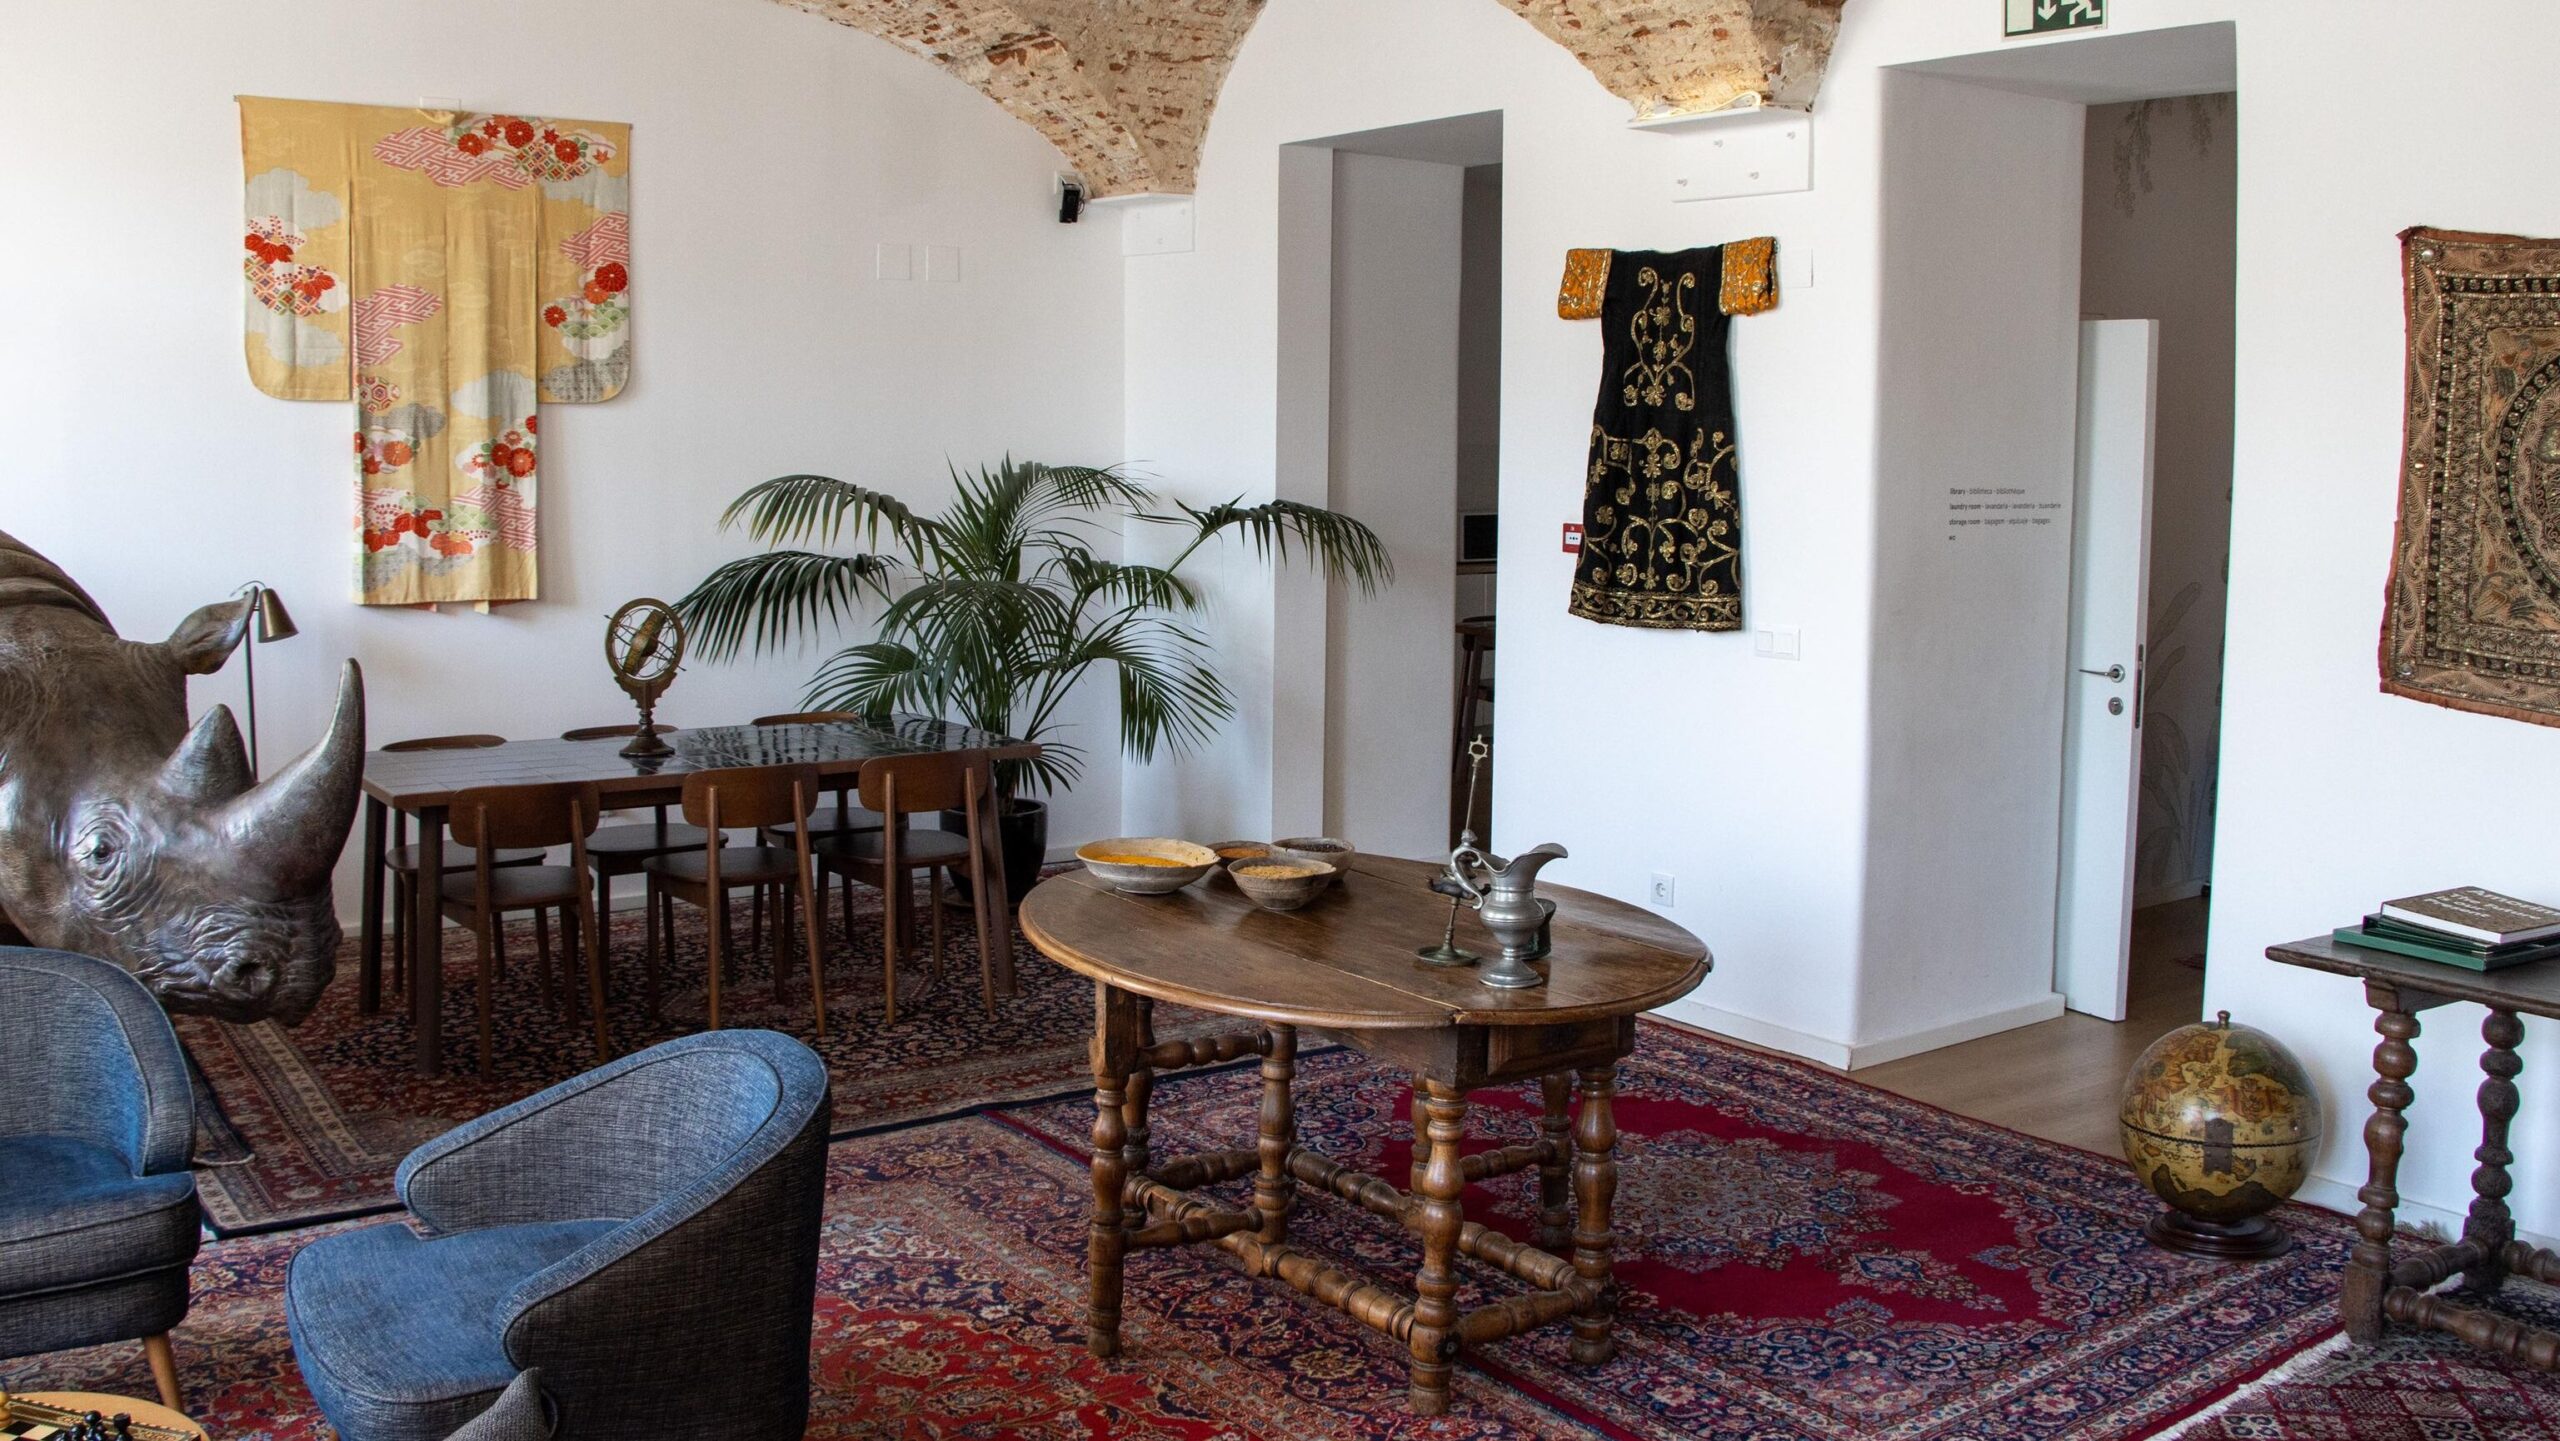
[(2180, 891), (2331, 1194), (1752, 1031), (1970, 1028)]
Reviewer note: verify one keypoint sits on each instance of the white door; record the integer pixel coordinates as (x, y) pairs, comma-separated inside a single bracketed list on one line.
[(2102, 715)]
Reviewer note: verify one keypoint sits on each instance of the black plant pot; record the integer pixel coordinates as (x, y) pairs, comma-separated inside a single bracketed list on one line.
[(1022, 832)]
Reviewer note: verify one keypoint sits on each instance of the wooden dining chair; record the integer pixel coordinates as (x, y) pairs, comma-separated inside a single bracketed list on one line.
[(621, 850), (490, 819), (901, 786), (402, 857), (752, 797), (838, 815)]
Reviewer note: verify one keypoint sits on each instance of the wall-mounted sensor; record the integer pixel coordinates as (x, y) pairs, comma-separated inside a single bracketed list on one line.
[(1070, 199)]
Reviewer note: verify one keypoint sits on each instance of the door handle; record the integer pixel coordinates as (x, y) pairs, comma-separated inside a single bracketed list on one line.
[(2113, 672)]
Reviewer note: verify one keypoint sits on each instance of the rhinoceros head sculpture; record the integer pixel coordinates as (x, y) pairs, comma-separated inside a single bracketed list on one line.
[(128, 835)]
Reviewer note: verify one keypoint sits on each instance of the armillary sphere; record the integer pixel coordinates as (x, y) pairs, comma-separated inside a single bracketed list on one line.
[(644, 644)]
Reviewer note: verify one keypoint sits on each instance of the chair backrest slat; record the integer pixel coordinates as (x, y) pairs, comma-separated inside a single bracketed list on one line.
[(913, 784), (753, 796), (806, 718), (504, 817)]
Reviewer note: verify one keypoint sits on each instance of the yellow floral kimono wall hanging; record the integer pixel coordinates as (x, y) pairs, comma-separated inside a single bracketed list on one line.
[(447, 272)]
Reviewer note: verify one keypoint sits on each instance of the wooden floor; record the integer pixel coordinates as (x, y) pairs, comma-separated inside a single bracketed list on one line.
[(2060, 1079)]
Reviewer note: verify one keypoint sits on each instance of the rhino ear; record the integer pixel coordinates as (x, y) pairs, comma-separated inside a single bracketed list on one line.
[(204, 640), (211, 765)]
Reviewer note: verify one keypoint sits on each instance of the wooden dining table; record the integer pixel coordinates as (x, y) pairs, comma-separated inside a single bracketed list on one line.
[(1345, 969), (424, 783)]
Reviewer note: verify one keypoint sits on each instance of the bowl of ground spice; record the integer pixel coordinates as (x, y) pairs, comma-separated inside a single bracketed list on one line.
[(1147, 865), (1277, 883)]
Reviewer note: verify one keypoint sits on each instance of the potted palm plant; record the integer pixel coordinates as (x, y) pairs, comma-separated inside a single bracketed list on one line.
[(993, 610)]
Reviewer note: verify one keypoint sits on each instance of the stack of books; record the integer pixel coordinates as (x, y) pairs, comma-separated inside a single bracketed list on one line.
[(2476, 929)]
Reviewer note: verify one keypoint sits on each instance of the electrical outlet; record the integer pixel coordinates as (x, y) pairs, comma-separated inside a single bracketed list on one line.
[(1662, 890)]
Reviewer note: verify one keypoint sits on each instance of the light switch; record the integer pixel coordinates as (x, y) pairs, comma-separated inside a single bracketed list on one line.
[(895, 262), (942, 264), (1782, 642)]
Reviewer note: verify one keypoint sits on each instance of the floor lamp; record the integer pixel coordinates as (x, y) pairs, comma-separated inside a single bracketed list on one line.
[(274, 623)]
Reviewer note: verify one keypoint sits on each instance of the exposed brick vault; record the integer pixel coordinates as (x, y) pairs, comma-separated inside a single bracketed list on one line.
[(1124, 88)]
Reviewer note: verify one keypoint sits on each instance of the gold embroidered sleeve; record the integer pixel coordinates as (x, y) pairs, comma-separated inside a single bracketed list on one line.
[(1750, 276), (1586, 284)]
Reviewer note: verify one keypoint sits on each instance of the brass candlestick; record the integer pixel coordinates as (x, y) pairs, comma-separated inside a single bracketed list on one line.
[(1449, 952)]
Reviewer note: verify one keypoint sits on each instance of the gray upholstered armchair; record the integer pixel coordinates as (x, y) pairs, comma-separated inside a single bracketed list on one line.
[(98, 1213), (646, 1235)]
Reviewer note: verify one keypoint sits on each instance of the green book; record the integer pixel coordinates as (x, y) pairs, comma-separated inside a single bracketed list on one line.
[(2420, 950), (2384, 926)]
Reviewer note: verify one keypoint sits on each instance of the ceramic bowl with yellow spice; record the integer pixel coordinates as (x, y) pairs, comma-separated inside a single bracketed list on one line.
[(1277, 883), (1147, 865), (1230, 852)]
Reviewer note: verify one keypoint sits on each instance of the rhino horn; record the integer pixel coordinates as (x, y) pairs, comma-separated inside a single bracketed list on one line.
[(295, 822), (211, 765)]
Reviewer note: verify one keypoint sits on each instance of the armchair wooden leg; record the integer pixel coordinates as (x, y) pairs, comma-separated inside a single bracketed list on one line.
[(164, 1370)]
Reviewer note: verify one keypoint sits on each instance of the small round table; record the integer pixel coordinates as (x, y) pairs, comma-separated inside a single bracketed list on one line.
[(144, 1413), (1344, 969)]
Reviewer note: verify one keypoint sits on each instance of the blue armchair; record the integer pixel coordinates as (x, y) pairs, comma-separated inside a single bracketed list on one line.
[(98, 1213), (646, 1235)]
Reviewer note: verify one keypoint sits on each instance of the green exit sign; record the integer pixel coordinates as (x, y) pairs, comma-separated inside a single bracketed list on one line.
[(2044, 17)]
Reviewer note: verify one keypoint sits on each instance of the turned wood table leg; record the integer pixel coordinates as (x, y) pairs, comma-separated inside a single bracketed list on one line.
[(1421, 1133), (1141, 1088), (2490, 1225), (2368, 1273), (1555, 1177), (1273, 1186), (1114, 1047), (1595, 1190), (1434, 1343)]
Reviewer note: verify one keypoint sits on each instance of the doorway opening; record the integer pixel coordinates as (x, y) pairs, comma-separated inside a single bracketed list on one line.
[(2158, 231), (1390, 410)]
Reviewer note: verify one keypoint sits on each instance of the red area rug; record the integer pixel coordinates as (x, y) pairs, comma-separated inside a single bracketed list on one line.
[(308, 1124), (1802, 1257)]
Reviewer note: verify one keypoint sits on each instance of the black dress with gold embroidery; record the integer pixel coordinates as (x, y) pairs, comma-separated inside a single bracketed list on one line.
[(1661, 512)]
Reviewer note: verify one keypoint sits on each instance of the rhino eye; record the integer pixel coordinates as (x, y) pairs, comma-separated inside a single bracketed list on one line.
[(99, 849)]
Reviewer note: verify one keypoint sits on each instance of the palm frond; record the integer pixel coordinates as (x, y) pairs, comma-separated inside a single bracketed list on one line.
[(775, 598), (1147, 586), (795, 509), (1340, 547)]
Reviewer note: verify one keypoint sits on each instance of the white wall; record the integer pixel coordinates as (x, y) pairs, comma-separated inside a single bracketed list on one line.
[(772, 152), (2158, 227), (1397, 227), (1639, 751), (2333, 795), (1980, 336)]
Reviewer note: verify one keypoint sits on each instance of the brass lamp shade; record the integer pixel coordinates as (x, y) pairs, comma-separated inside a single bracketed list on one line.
[(274, 621)]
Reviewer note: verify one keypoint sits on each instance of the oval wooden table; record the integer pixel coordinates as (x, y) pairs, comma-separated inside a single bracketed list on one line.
[(1343, 969)]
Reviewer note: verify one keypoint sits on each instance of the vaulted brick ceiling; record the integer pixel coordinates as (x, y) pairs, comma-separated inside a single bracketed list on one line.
[(1124, 88)]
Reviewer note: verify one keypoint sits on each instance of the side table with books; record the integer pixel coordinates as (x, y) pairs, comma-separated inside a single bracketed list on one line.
[(2402, 980)]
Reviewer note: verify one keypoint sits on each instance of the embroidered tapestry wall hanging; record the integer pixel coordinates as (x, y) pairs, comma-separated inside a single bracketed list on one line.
[(444, 271), (1661, 507), (2473, 615)]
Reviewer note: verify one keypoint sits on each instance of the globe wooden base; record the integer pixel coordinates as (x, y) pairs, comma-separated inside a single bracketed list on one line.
[(2255, 1239)]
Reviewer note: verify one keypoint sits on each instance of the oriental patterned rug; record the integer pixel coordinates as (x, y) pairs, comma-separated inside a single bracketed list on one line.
[(1804, 1259), (2414, 1386), (299, 1126)]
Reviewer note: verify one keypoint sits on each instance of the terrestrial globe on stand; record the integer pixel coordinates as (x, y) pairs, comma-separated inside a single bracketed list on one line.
[(2220, 1122)]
